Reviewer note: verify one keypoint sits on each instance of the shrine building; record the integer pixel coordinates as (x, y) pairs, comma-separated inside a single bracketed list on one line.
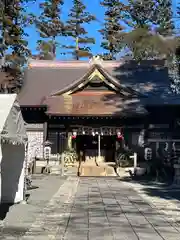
[(97, 103)]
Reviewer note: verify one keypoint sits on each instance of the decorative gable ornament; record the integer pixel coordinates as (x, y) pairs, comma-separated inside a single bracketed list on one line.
[(96, 60)]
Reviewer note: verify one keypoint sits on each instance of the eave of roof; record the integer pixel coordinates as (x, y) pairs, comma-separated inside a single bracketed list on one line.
[(44, 78), (102, 105)]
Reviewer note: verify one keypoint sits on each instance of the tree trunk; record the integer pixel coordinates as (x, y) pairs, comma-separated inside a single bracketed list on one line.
[(77, 48)]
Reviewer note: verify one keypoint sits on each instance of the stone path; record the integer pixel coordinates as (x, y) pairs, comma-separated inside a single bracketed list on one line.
[(20, 217), (100, 209), (166, 200)]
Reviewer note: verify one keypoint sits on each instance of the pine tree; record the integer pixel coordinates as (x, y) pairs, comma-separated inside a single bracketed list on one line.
[(13, 21), (174, 75), (50, 26), (152, 25), (75, 29), (174, 63), (112, 31), (164, 18)]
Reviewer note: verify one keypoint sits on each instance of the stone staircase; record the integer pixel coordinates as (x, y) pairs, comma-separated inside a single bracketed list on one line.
[(97, 169)]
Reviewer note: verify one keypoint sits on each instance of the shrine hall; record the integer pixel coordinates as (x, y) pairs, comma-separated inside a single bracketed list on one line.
[(92, 106)]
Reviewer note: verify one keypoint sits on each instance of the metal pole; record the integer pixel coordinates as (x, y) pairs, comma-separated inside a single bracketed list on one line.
[(99, 146), (135, 160)]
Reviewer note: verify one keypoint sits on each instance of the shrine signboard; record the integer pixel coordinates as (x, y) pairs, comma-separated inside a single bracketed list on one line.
[(163, 135), (159, 135)]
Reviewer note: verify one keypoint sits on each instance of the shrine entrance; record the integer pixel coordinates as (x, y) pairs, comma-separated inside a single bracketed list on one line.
[(96, 147)]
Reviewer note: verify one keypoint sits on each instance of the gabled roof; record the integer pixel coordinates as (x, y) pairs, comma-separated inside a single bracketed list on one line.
[(98, 70), (44, 79)]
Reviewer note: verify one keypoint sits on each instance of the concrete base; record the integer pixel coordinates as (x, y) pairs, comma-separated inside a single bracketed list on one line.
[(55, 170)]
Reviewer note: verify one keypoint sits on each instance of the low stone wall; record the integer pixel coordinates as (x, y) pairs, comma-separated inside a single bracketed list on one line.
[(40, 164)]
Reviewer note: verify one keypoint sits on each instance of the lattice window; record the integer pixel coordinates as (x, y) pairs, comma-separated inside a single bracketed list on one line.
[(35, 144), (53, 138)]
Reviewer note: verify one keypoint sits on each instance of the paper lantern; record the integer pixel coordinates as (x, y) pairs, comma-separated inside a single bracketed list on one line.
[(74, 135), (93, 133), (120, 136)]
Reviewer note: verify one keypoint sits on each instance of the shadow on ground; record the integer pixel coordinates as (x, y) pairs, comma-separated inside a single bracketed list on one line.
[(4, 209), (12, 231), (156, 189)]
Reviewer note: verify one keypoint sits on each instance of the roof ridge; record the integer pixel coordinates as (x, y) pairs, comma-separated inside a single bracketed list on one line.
[(33, 63)]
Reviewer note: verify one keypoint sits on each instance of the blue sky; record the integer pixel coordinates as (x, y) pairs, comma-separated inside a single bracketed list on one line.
[(93, 7), (92, 29)]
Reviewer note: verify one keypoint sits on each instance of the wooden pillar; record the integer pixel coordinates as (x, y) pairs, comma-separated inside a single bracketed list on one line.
[(34, 166), (45, 133), (157, 147), (58, 142), (45, 128)]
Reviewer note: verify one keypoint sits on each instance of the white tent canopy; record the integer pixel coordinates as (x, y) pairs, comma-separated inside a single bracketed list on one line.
[(12, 149), (12, 128)]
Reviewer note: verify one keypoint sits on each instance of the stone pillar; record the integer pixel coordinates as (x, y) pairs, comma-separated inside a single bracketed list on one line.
[(116, 154), (69, 140)]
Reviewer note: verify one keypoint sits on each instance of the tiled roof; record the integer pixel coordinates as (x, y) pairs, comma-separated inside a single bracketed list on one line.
[(42, 82), (46, 77)]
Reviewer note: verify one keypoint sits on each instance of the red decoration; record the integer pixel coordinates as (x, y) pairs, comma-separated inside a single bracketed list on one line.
[(74, 135), (120, 136)]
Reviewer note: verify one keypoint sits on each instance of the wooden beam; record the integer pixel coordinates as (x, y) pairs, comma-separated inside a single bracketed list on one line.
[(45, 130)]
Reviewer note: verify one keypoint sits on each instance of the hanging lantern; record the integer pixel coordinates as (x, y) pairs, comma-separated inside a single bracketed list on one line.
[(74, 135), (120, 136)]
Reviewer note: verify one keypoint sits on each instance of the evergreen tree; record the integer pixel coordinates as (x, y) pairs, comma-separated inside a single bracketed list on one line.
[(174, 64), (164, 18), (14, 19), (50, 26), (152, 25), (112, 31), (75, 29)]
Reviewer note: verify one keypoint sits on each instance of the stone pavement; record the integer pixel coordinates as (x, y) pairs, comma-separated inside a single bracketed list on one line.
[(165, 199), (20, 217), (101, 209)]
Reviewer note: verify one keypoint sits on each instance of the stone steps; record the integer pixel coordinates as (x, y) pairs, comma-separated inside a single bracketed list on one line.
[(96, 171)]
